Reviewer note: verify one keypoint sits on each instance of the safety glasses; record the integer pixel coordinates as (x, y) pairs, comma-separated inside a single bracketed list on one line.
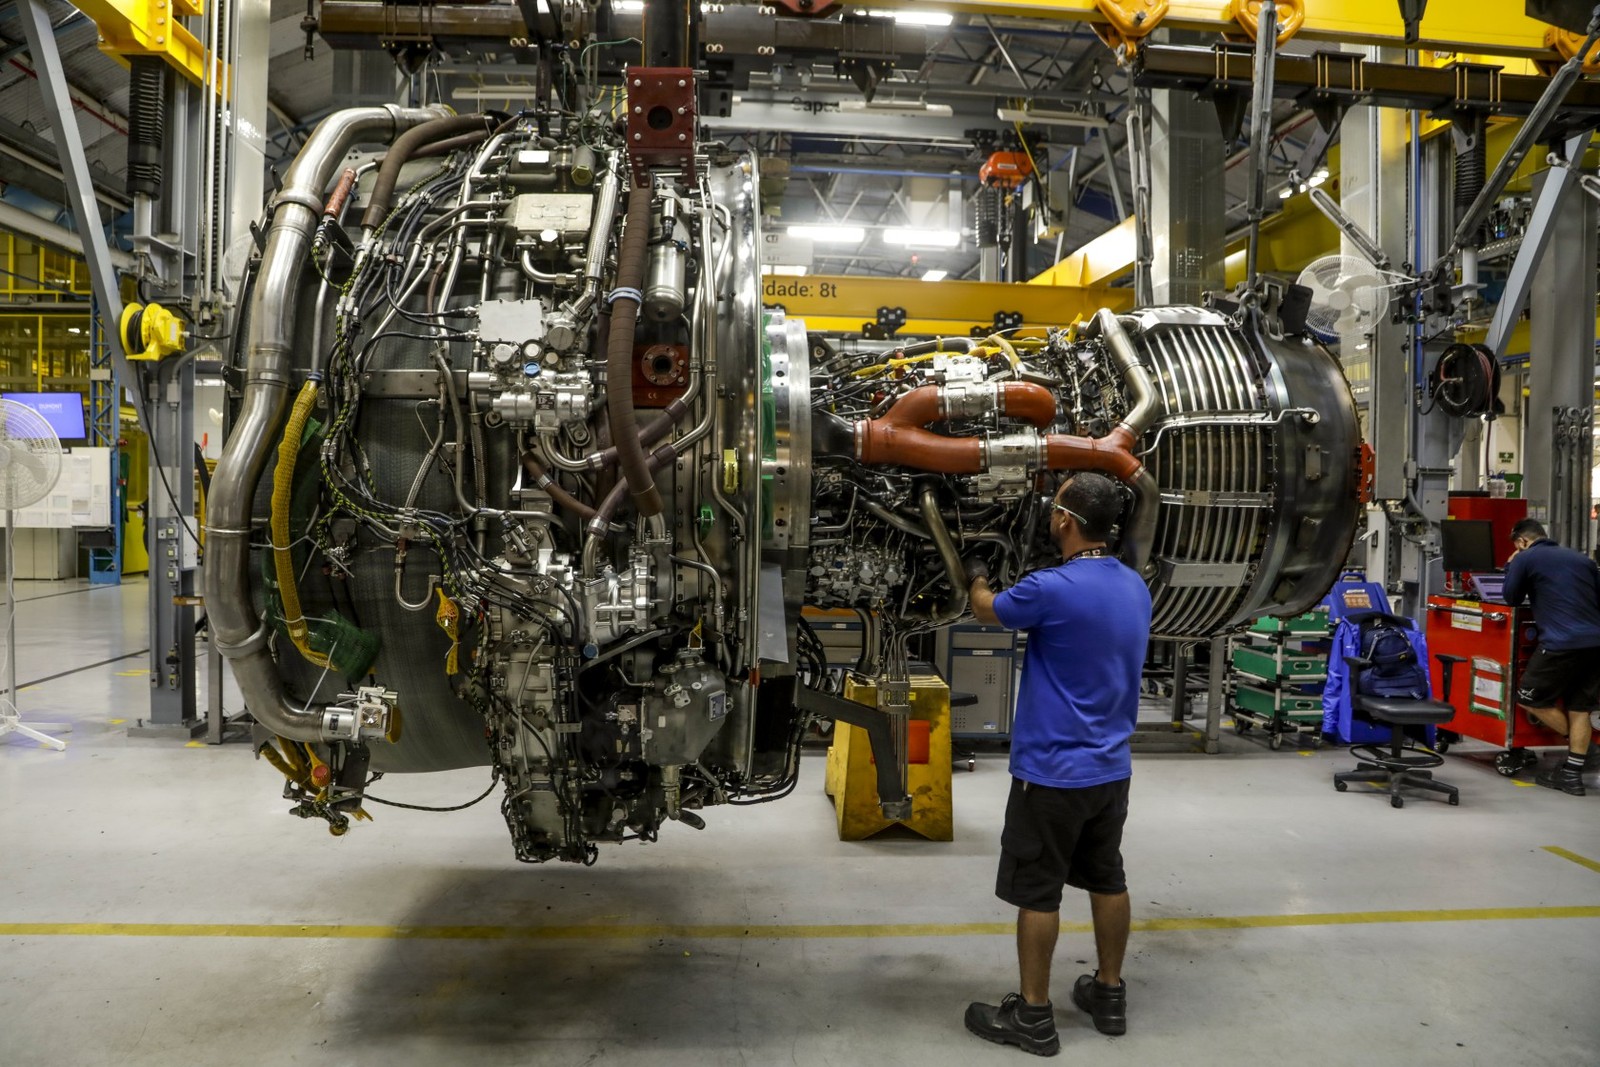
[(1062, 507)]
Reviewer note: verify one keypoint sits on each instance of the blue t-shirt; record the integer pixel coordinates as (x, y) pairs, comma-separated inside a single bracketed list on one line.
[(1565, 589), (1088, 623)]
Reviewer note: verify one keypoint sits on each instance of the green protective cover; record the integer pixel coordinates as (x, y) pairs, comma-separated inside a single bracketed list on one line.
[(350, 649), (1312, 622), (1273, 664), (1271, 702)]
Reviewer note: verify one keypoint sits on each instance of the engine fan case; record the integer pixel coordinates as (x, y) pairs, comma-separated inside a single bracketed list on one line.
[(1257, 458)]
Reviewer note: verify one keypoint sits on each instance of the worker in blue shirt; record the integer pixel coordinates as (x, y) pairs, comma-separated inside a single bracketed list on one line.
[(1560, 686), (1088, 625)]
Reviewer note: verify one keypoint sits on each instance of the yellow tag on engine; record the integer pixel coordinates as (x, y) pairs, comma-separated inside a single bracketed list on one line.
[(448, 616), (730, 471)]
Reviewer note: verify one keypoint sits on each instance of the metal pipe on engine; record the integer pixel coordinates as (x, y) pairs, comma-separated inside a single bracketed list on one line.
[(240, 635)]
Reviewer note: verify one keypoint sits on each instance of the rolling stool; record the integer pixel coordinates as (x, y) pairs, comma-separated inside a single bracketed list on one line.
[(1391, 766)]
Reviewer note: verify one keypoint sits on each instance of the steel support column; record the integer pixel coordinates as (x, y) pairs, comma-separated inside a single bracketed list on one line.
[(1187, 213), (1436, 437), (1559, 443), (172, 539), (1373, 193)]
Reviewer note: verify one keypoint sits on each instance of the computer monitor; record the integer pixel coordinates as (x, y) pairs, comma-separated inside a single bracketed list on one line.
[(63, 411), (1468, 544)]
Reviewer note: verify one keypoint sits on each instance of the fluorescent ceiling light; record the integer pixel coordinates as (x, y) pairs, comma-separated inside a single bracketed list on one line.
[(1317, 179), (914, 18), (935, 275), (1039, 117), (919, 238), (834, 234), (790, 269), (491, 93), (627, 7), (898, 107)]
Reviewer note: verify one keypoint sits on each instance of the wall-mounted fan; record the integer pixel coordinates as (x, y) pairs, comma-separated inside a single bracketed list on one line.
[(1348, 295), (30, 463)]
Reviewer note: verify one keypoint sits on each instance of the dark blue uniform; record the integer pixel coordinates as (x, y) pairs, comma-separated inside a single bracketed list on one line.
[(1564, 588)]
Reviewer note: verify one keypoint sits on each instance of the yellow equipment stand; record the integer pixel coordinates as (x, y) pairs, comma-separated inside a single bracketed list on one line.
[(852, 779)]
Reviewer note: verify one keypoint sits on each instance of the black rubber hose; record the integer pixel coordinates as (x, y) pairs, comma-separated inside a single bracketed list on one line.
[(563, 499), (654, 431), (401, 151), (607, 510), (619, 355), (451, 144)]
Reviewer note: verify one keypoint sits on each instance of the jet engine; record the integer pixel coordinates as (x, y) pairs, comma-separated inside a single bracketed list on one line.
[(524, 477)]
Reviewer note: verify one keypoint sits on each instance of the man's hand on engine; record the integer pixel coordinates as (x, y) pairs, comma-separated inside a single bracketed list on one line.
[(976, 568)]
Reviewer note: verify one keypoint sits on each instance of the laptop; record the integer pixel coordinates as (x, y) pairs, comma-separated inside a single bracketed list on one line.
[(1490, 587)]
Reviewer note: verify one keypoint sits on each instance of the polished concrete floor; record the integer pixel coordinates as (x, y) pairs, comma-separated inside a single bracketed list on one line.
[(157, 906)]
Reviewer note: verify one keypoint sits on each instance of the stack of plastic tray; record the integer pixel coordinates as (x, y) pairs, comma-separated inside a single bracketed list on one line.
[(1280, 667)]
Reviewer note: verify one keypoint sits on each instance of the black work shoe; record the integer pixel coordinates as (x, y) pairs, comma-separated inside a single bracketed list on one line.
[(1032, 1028), (1107, 1005), (1563, 778)]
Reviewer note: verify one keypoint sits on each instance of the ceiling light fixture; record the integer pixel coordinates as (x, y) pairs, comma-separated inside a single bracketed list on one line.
[(898, 107), (829, 233), (1039, 117), (935, 275), (913, 18)]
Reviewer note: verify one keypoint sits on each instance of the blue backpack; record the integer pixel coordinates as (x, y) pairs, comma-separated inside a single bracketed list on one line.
[(1395, 672)]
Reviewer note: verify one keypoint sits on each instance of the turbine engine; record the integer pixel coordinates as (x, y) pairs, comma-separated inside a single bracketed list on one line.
[(524, 477)]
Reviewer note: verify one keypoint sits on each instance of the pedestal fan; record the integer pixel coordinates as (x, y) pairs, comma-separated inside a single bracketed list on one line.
[(30, 463)]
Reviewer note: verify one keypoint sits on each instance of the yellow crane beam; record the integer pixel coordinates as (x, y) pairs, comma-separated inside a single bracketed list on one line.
[(1102, 260), (849, 303), (1497, 27), (151, 28)]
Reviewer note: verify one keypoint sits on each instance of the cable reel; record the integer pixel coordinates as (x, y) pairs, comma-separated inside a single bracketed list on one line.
[(1465, 381), (150, 332)]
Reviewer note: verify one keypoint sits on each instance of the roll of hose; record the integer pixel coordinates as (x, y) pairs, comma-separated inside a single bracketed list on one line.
[(1465, 381)]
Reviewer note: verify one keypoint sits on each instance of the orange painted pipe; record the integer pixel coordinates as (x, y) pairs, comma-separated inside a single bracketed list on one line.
[(901, 437), (1024, 400)]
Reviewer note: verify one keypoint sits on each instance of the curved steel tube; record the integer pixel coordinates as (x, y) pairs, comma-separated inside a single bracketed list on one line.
[(955, 572), (239, 634)]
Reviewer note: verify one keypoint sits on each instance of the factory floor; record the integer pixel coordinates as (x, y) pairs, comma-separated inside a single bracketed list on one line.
[(157, 906)]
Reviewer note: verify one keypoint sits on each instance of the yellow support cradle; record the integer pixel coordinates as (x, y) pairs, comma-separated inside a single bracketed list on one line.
[(852, 779)]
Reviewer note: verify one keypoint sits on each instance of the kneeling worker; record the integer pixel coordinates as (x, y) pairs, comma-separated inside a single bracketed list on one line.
[(1088, 624)]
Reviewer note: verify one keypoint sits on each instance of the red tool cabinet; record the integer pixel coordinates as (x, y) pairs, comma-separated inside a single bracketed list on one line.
[(1493, 641)]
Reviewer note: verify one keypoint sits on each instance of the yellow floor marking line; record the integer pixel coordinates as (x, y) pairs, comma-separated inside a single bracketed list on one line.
[(754, 932), (133, 673), (1581, 861), (1523, 785)]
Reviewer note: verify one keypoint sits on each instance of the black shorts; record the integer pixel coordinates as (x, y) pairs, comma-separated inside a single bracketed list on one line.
[(1570, 678), (1057, 837)]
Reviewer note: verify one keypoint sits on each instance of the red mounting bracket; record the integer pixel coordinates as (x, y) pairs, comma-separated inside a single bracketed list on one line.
[(661, 119)]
